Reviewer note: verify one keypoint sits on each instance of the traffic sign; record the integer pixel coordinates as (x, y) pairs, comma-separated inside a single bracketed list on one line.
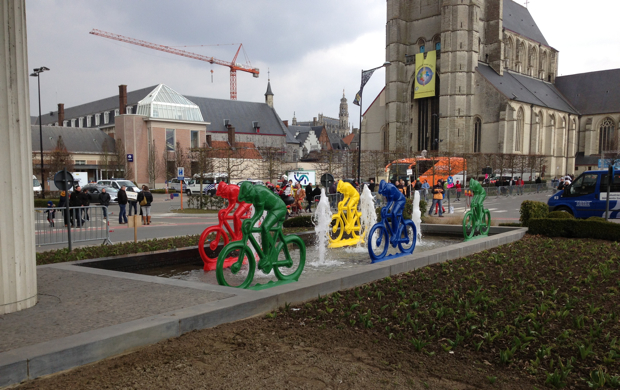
[(180, 173), (130, 158), (409, 172), (450, 180), (59, 181)]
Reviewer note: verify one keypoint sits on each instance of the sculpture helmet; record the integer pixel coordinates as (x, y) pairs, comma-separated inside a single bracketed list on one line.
[(382, 187), (222, 189)]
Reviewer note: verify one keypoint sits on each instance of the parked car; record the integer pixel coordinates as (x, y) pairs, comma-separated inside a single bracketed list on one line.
[(587, 196), (36, 186), (255, 182), (94, 190), (118, 183)]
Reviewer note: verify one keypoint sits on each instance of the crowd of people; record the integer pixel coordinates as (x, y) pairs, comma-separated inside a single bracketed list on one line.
[(79, 200)]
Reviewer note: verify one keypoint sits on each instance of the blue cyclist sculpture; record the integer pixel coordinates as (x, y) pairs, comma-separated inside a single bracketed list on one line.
[(393, 229)]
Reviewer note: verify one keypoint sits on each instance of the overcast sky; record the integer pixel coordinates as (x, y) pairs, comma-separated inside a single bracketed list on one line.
[(313, 49)]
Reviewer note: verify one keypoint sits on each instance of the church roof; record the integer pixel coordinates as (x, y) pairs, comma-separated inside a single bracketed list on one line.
[(290, 137), (518, 19), (268, 93), (242, 150), (351, 138), (240, 115), (526, 89), (300, 132), (76, 139), (593, 92)]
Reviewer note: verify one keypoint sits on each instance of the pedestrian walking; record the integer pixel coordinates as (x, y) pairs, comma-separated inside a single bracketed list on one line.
[(62, 202), (538, 184), (459, 188), (309, 197), (74, 201), (104, 199), (371, 186), (438, 198), (51, 213), (133, 204), (300, 195), (520, 185), (145, 198), (122, 204), (332, 194), (85, 203), (426, 187)]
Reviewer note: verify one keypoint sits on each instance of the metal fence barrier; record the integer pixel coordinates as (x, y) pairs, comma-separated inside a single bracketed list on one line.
[(87, 223)]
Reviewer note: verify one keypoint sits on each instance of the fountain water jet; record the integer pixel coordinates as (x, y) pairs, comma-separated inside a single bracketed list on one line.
[(322, 219), (416, 214), (369, 215)]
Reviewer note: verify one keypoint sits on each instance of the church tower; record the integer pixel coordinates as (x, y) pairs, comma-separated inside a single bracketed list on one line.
[(344, 116), (269, 94)]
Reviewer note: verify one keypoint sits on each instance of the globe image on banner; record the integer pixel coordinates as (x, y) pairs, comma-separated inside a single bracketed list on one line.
[(425, 75)]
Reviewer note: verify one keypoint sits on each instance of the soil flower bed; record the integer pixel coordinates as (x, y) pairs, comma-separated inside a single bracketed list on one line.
[(547, 307), (539, 313)]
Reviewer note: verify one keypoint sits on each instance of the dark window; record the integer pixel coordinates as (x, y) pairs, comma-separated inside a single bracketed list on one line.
[(615, 186), (194, 140), (477, 135), (584, 185), (606, 136), (170, 140)]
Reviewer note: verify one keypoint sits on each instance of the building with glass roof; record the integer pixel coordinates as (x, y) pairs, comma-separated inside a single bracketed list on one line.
[(164, 102)]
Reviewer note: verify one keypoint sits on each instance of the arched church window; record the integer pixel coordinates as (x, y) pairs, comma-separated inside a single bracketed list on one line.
[(606, 135), (519, 130), (438, 46), (508, 53), (477, 135), (422, 49)]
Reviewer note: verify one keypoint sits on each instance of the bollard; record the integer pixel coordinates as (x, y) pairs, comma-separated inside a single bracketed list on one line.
[(135, 221)]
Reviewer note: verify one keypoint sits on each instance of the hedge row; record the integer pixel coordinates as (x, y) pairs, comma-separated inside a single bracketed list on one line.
[(531, 209), (574, 228)]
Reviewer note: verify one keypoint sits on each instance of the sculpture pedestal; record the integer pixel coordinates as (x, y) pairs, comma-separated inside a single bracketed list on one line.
[(18, 276)]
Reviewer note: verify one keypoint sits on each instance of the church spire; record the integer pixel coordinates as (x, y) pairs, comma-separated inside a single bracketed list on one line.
[(269, 94)]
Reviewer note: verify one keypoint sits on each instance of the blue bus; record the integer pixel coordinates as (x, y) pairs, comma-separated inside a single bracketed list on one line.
[(587, 196)]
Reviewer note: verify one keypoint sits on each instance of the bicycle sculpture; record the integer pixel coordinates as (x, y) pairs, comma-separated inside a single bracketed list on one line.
[(285, 255), (476, 221), (214, 238), (393, 229), (345, 225)]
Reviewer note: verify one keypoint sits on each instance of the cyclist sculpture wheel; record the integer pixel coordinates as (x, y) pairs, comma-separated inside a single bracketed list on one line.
[(214, 238), (393, 228), (287, 265), (347, 220)]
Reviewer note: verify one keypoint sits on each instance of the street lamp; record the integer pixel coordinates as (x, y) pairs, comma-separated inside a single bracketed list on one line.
[(368, 73), (36, 73)]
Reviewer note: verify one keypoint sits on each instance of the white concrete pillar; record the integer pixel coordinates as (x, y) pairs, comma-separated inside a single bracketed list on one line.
[(18, 276)]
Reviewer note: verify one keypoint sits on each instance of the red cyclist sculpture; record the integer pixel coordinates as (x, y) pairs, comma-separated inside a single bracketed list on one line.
[(214, 238)]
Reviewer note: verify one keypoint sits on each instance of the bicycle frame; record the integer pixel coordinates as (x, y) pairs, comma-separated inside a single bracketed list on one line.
[(349, 217)]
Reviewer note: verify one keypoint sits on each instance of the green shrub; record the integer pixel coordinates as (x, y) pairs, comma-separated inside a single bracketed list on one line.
[(560, 215), (43, 202), (301, 221), (598, 219), (531, 209), (208, 202), (574, 228)]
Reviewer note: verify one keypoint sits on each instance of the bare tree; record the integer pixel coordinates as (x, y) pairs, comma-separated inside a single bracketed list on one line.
[(180, 157), (154, 165), (270, 167), (105, 161), (329, 161), (231, 161), (119, 161), (59, 158), (204, 164)]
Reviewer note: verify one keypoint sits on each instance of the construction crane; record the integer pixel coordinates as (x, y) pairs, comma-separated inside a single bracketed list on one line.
[(233, 65)]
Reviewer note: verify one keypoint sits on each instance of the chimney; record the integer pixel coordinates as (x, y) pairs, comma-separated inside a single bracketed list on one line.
[(285, 123), (122, 99), (231, 135), (61, 113), (208, 140)]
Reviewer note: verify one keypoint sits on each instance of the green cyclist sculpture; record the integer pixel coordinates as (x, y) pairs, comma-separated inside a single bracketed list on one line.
[(286, 268), (476, 221)]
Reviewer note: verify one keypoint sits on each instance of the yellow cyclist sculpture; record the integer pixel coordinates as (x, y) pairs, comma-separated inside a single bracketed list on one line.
[(345, 227)]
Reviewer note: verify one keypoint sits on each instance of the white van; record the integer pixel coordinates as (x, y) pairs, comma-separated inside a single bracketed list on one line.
[(36, 186), (192, 186)]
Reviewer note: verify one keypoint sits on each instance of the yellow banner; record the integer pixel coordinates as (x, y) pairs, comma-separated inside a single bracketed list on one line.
[(425, 74)]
